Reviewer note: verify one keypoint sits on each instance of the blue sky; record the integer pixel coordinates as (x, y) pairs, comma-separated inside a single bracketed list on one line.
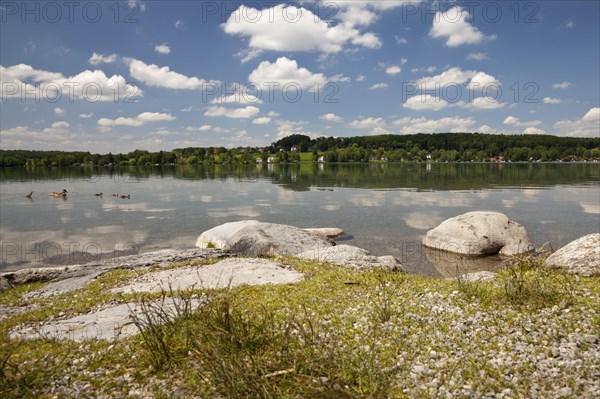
[(117, 76)]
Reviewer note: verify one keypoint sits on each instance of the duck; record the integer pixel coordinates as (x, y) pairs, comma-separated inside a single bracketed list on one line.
[(60, 194), (115, 195), (125, 196), (98, 194), (29, 195)]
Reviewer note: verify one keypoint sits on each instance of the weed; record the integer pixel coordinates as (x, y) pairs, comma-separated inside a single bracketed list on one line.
[(24, 371), (524, 282), (158, 322)]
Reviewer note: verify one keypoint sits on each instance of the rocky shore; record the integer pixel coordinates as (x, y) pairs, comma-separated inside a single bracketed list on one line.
[(531, 330)]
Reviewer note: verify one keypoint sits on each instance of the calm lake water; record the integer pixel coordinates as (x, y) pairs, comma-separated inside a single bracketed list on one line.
[(384, 208)]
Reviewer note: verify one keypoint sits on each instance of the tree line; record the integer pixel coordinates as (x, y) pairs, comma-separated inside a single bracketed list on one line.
[(440, 147)]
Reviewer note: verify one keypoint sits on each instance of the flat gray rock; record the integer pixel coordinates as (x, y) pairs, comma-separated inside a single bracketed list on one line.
[(115, 322), (109, 324), (4, 284), (80, 273), (63, 286), (229, 272), (483, 276), (348, 255), (581, 256), (479, 234), (253, 238)]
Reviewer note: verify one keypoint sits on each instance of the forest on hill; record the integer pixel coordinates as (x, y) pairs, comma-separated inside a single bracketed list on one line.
[(440, 147)]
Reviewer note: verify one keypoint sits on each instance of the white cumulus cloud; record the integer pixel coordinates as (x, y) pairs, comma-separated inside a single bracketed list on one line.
[(511, 120), (330, 118), (262, 120), (477, 56), (367, 123), (393, 70), (97, 59), (423, 125), (93, 86), (60, 125), (234, 113), (561, 85), (290, 28), (551, 100), (203, 128), (400, 39), (58, 134), (240, 97), (285, 71), (379, 131), (533, 130), (156, 76), (106, 124), (378, 86), (162, 49), (425, 102), (453, 25), (482, 103), (587, 126)]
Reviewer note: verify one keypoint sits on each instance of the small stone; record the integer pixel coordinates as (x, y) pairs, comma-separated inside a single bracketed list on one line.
[(589, 338)]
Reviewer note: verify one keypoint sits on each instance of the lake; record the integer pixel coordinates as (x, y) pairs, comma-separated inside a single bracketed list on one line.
[(385, 208)]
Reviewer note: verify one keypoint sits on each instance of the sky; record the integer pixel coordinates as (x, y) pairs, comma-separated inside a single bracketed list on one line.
[(114, 76)]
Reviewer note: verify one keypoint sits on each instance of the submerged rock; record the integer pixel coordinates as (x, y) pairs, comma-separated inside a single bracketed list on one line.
[(479, 234), (253, 238), (348, 255), (581, 256), (453, 266)]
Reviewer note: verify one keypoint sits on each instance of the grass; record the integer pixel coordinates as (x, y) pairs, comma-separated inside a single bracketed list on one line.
[(306, 157), (340, 333), (524, 282)]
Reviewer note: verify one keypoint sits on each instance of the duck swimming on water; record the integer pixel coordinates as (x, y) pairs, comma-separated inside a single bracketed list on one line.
[(60, 194), (125, 196)]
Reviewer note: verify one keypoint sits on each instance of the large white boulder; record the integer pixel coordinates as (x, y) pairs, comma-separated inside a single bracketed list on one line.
[(479, 234), (252, 238), (581, 256), (348, 255)]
